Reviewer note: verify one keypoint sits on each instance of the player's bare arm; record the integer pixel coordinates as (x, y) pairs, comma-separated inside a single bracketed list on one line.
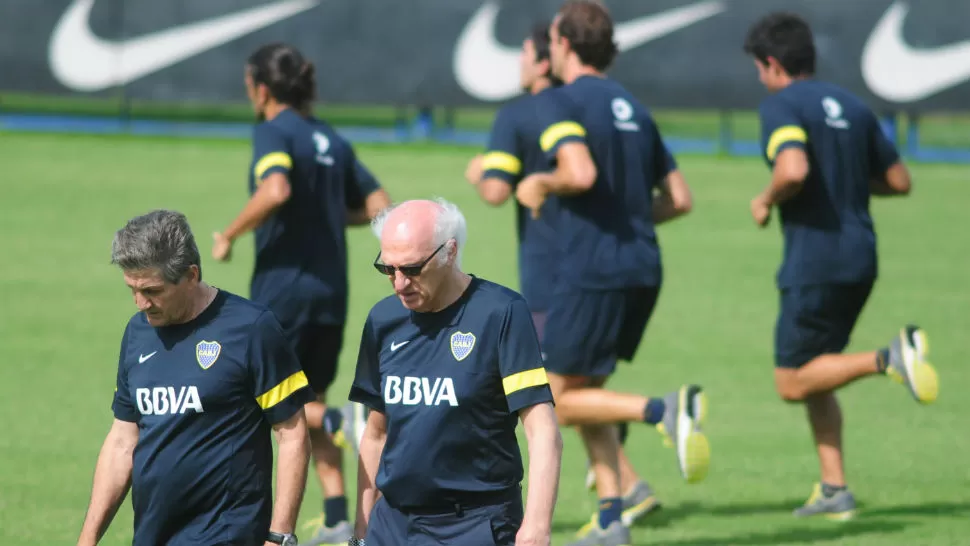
[(674, 199), (291, 471), (112, 478), (575, 173), (494, 191), (787, 177), (374, 203), (545, 458), (273, 191), (474, 170), (371, 447), (895, 182)]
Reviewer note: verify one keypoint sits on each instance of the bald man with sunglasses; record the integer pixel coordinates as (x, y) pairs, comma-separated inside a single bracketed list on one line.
[(448, 365)]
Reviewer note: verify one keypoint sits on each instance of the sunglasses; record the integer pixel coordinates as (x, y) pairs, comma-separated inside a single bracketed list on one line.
[(406, 270)]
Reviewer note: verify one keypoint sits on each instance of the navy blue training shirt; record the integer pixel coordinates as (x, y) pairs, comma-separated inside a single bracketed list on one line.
[(300, 269), (606, 235), (828, 232), (450, 384), (205, 395), (514, 153)]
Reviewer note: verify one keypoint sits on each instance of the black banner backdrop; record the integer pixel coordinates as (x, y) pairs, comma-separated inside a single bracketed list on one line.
[(898, 55)]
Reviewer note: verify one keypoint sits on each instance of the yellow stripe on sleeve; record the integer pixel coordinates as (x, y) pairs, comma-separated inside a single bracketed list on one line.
[(285, 388), (558, 131), (270, 160), (782, 135), (501, 161), (524, 380)]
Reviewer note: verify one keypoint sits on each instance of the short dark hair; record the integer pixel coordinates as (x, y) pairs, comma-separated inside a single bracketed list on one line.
[(540, 40), (288, 75), (786, 37), (161, 240), (589, 28)]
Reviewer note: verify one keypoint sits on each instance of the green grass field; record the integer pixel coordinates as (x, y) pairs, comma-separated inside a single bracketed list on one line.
[(63, 309)]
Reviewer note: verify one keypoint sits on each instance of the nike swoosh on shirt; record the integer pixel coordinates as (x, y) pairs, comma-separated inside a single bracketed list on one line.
[(898, 72), (143, 358), (487, 70), (396, 346), (82, 61)]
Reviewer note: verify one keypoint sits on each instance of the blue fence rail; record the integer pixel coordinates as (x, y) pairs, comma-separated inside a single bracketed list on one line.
[(424, 128)]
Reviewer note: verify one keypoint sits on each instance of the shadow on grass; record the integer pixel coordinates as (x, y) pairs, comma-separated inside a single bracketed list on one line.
[(803, 534), (937, 508), (868, 520)]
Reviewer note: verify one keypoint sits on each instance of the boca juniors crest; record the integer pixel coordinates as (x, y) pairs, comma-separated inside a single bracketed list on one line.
[(461, 345), (206, 352)]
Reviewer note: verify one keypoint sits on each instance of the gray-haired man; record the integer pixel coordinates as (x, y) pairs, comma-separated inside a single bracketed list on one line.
[(203, 377)]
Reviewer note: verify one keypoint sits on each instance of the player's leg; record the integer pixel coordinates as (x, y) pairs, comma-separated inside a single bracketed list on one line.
[(813, 327), (638, 496), (584, 328), (320, 350), (579, 343), (602, 447), (623, 431)]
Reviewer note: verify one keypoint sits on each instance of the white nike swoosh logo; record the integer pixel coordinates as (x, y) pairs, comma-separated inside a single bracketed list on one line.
[(396, 346), (84, 62), (143, 358), (487, 70), (898, 72)]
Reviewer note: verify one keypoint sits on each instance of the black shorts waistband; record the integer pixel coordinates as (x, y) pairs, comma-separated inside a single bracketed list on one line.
[(466, 501)]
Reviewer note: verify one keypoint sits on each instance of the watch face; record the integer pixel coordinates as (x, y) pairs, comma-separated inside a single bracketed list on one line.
[(289, 540)]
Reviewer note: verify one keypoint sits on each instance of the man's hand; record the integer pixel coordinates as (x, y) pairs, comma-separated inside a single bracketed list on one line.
[(760, 210), (473, 172), (529, 535), (532, 192), (221, 247)]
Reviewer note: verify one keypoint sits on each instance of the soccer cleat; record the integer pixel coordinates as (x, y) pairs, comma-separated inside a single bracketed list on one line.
[(638, 503), (616, 534), (838, 507), (338, 535), (684, 413), (908, 365)]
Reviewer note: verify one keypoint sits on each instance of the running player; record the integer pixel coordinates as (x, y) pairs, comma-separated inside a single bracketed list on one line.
[(827, 155), (307, 186), (609, 161), (513, 153)]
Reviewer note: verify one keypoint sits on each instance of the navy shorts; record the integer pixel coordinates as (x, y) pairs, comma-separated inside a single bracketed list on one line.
[(489, 525), (317, 346), (816, 319), (587, 331)]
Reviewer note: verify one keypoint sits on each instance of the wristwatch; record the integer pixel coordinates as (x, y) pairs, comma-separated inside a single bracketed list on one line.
[(284, 539), (354, 541)]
